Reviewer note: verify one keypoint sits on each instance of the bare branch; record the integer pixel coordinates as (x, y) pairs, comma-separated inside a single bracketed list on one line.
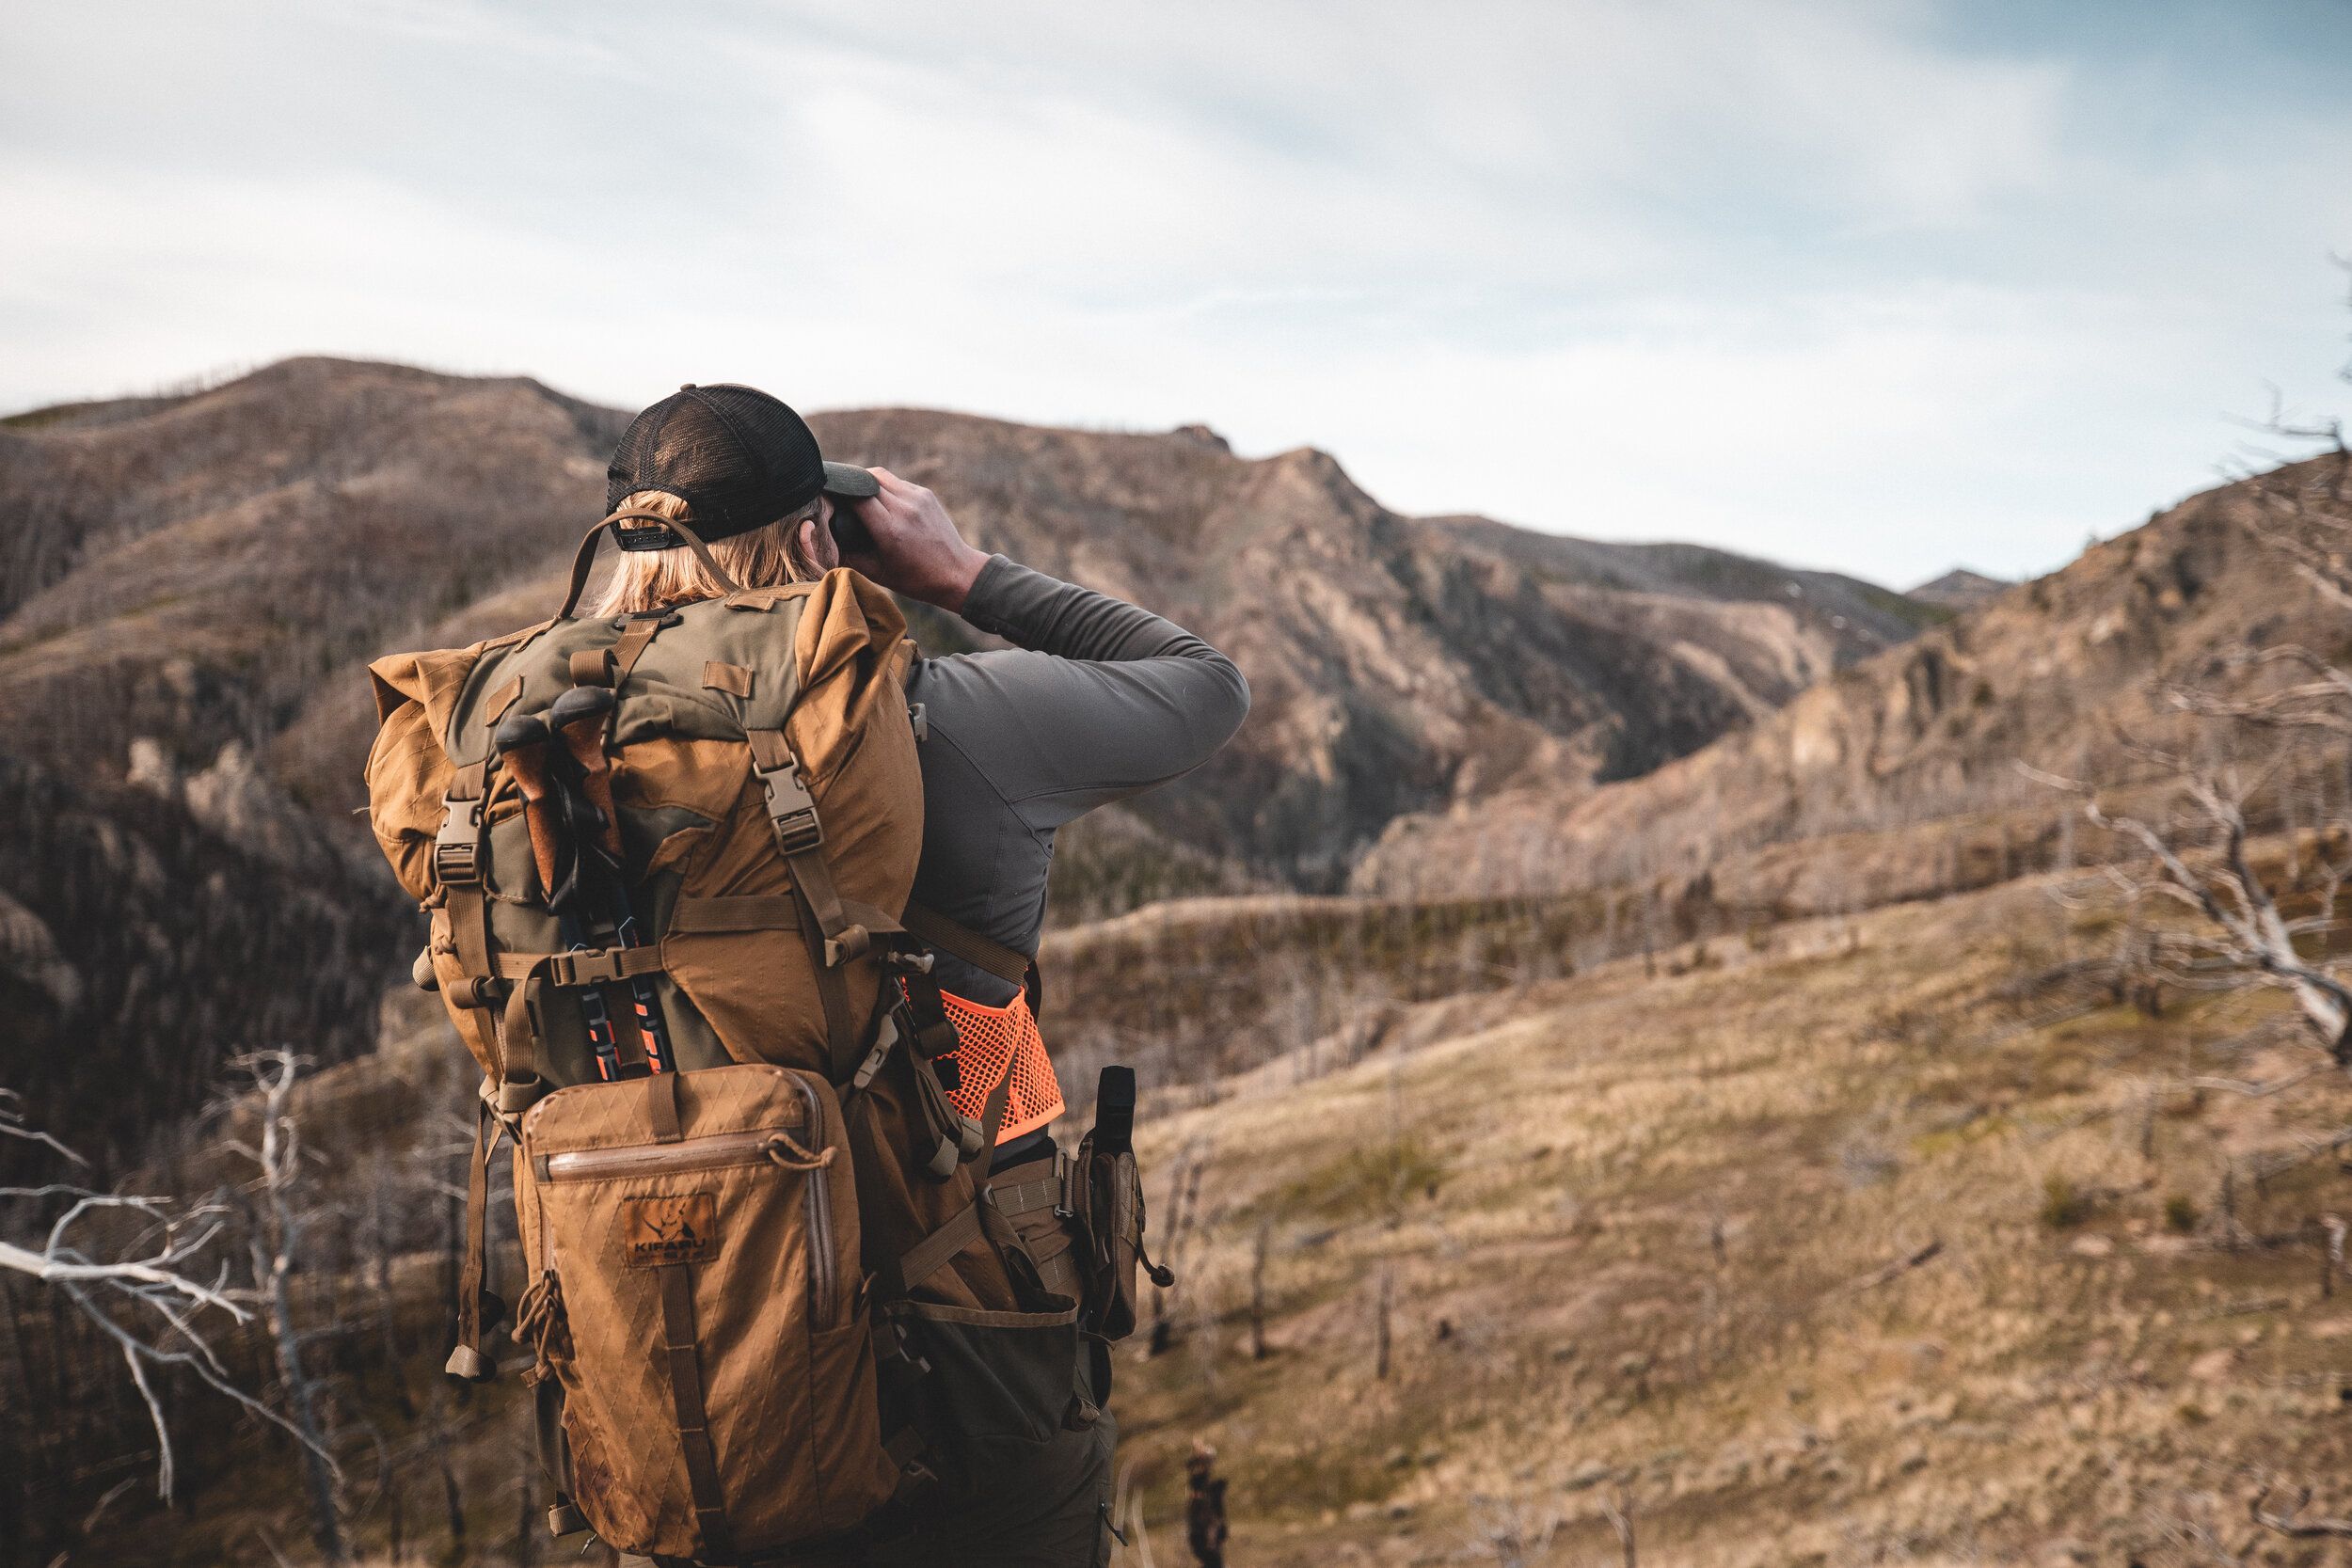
[(157, 1277), (2254, 1090), (13, 1125), (2292, 1522), (2254, 938)]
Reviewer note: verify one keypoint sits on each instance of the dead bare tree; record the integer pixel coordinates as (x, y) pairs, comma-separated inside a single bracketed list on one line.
[(1516, 1534), (2276, 753), (1618, 1510), (278, 1220), (146, 1294), (2201, 862), (1257, 1288), (1183, 1186), (2198, 859)]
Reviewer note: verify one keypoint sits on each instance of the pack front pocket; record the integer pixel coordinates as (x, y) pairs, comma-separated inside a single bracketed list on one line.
[(700, 1233), (1001, 1385)]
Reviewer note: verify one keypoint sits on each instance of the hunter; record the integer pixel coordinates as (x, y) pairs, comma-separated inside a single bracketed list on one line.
[(813, 1276)]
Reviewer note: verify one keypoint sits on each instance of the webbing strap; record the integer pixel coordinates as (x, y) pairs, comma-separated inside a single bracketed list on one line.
[(586, 558), (457, 866), (934, 1032), (754, 911), (470, 931), (927, 1256), (800, 839), (833, 992), (1036, 1188), (630, 645), (518, 1060), (585, 966), (555, 1449), (1008, 964), (733, 679), (693, 1419), (662, 1105), (992, 1111), (466, 1358), (1018, 1194), (833, 938)]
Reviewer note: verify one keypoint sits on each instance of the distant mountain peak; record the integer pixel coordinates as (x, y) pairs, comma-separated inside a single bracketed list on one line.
[(1960, 589), (1202, 434)]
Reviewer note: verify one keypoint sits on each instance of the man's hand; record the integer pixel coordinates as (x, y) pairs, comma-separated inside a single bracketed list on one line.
[(917, 550)]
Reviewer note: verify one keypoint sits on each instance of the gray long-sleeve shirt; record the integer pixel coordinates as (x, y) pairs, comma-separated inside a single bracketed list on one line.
[(1096, 701)]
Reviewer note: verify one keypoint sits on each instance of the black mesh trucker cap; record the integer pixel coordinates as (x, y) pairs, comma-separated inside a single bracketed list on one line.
[(738, 457)]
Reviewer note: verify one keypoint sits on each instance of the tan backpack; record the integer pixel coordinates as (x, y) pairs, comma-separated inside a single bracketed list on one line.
[(666, 859)]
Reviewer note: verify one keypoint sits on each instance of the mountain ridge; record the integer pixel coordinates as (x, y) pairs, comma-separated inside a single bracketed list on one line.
[(2047, 673), (238, 528), (197, 583)]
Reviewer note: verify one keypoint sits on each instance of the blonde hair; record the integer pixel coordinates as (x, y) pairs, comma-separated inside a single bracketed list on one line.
[(656, 580)]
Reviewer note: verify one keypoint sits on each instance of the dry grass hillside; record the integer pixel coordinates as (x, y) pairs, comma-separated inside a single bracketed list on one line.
[(1616, 1161), (1837, 1246), (1909, 755), (1844, 1242)]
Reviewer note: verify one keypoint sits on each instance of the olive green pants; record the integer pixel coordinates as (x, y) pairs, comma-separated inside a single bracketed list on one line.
[(1047, 1506), (1057, 1513)]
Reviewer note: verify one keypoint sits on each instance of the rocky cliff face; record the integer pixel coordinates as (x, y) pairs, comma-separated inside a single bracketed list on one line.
[(140, 948), (1397, 664), (2048, 674)]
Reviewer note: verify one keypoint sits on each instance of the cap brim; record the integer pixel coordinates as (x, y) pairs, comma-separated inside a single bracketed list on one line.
[(841, 478)]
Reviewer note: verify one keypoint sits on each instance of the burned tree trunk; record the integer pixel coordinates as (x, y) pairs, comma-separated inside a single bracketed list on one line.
[(1257, 1290), (278, 1223), (1205, 1529)]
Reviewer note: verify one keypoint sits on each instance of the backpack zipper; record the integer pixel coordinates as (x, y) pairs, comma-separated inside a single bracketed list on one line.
[(718, 1151), (712, 1151)]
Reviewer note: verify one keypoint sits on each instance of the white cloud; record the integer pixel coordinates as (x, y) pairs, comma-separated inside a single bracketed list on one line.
[(1805, 278)]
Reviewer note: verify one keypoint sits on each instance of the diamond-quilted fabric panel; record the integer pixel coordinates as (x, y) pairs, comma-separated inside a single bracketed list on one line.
[(755, 1201)]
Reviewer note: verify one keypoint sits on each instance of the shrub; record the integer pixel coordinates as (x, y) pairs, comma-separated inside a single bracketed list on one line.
[(2064, 1206)]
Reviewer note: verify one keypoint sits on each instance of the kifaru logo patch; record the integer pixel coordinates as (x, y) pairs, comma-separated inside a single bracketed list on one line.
[(656, 1231)]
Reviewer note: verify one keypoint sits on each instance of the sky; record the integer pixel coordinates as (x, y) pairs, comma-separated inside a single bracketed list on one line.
[(1882, 287)]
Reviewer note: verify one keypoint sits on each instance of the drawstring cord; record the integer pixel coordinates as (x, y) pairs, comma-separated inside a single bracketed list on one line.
[(782, 1149), (540, 1323)]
